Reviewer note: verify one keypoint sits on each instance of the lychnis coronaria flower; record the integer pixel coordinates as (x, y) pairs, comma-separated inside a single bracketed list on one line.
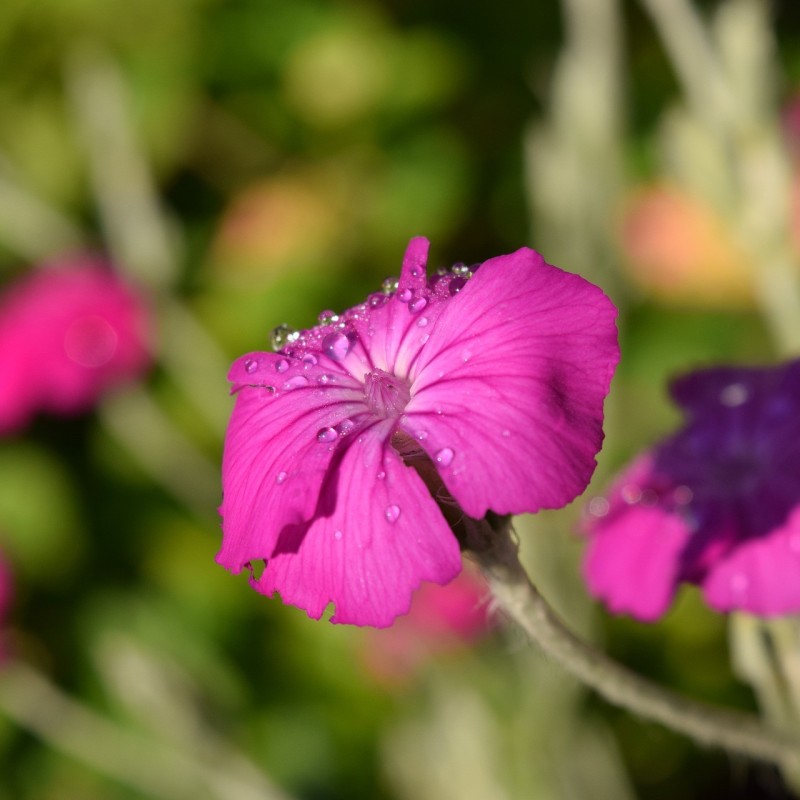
[(716, 504), (68, 331), (483, 385)]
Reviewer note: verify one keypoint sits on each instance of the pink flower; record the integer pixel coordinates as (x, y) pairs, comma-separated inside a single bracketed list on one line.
[(442, 619), (716, 504), (68, 331), (488, 381)]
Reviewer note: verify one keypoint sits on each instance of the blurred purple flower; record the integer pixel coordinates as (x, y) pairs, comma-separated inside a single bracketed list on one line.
[(717, 504), (68, 331), (488, 381)]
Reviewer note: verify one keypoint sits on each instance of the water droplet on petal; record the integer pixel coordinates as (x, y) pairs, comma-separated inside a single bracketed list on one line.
[(392, 513), (345, 426), (415, 272), (415, 306), (389, 285), (337, 534), (733, 395), (327, 435), (631, 493), (422, 435), (461, 270), (282, 335), (282, 365), (250, 365), (466, 355), (376, 300), (381, 475), (405, 295), (336, 345), (456, 285), (325, 379), (739, 584), (598, 506), (682, 495), (444, 456), (327, 317), (295, 382), (309, 360), (282, 476), (422, 322)]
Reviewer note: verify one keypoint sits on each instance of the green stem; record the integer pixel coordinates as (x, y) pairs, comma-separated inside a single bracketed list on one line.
[(736, 732)]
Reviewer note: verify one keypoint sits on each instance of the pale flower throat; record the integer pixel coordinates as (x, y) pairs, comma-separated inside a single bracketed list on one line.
[(386, 396)]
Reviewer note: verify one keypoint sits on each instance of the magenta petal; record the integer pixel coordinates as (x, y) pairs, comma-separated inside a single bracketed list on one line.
[(276, 454), (633, 561), (373, 548), (761, 576), (508, 392)]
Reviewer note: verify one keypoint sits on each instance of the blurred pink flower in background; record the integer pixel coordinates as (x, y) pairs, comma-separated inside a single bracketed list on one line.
[(478, 387), (69, 330), (679, 250), (716, 504), (442, 620)]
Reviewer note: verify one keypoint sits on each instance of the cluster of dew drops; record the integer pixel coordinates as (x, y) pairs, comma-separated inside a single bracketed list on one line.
[(335, 335)]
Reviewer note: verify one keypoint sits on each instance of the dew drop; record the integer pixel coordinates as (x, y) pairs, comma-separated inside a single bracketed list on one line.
[(422, 322), (739, 584), (295, 382), (376, 300), (392, 513), (415, 272), (461, 270), (327, 317), (381, 475), (282, 365), (733, 395), (682, 495), (282, 476), (422, 435), (631, 494), (282, 335), (598, 506), (336, 345), (250, 365), (405, 295), (345, 426), (456, 285), (445, 456), (389, 285), (325, 379), (337, 534), (417, 305), (327, 435), (466, 355), (309, 360)]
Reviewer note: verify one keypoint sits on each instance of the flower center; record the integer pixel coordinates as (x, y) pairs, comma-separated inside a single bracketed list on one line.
[(385, 395)]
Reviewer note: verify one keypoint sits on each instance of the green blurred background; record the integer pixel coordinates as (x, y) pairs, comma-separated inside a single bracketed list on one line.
[(251, 163)]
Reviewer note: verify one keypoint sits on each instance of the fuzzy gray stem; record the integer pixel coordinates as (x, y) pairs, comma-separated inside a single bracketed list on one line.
[(736, 732)]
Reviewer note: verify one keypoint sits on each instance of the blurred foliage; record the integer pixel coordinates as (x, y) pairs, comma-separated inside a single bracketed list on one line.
[(295, 146)]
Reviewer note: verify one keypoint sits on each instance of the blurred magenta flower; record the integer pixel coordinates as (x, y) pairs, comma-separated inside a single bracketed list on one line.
[(68, 331), (483, 385), (716, 504), (442, 620)]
